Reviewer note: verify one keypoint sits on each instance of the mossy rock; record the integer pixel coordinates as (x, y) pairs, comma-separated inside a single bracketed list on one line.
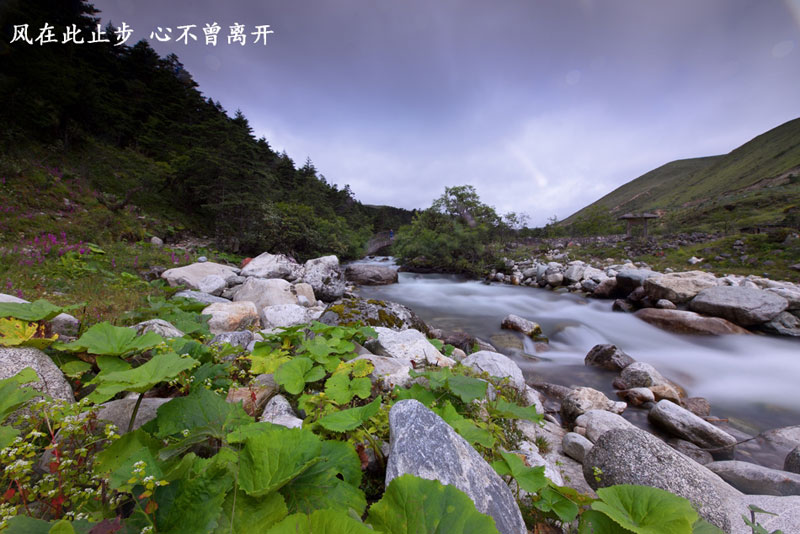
[(351, 310)]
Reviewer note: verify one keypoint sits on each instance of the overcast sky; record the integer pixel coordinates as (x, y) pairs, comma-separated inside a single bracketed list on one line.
[(543, 105)]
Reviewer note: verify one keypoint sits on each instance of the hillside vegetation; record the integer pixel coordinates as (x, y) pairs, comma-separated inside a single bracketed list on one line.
[(755, 185)]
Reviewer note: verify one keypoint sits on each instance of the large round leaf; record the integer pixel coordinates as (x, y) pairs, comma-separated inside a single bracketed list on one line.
[(646, 510), (321, 522)]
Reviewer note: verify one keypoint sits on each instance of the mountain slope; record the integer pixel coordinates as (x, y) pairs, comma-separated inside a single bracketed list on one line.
[(756, 183)]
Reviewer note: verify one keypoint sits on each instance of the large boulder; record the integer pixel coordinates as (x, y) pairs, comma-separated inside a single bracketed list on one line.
[(607, 356), (288, 315), (198, 296), (641, 375), (792, 461), (159, 326), (278, 411), (266, 292), (595, 423), (583, 399), (352, 310), (520, 324), (574, 272), (632, 456), (497, 365), (576, 446), (407, 345), (686, 425), (326, 277), (630, 279), (51, 379), (231, 316), (193, 276), (754, 479), (425, 446), (678, 287), (784, 324), (687, 322), (119, 412), (370, 275), (742, 305), (388, 372), (268, 265)]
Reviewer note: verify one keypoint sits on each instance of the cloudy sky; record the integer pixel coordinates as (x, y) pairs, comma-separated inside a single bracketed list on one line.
[(543, 105)]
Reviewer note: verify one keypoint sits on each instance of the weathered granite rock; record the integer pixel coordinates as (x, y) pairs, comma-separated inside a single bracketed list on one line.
[(265, 292), (636, 396), (665, 304), (691, 450), (326, 277), (678, 287), (791, 294), (119, 412), (607, 356), (424, 445), (630, 279), (641, 375), (498, 365), (583, 399), (197, 296), (253, 398), (784, 324), (161, 327), (231, 316), (370, 275), (278, 411), (389, 372), (284, 315), (687, 322), (240, 338), (533, 458), (407, 345), (787, 509), (574, 272), (792, 462), (632, 456), (605, 289), (352, 310), (192, 275), (268, 265), (754, 479), (520, 324), (212, 284), (51, 379), (666, 392), (595, 423), (302, 289), (688, 426), (576, 446), (698, 406), (741, 305)]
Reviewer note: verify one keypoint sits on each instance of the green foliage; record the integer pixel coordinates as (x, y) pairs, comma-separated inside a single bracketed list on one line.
[(109, 340), (321, 522), (13, 395), (754, 525), (419, 506), (294, 374), (645, 510), (19, 333), (160, 368), (345, 420), (38, 310)]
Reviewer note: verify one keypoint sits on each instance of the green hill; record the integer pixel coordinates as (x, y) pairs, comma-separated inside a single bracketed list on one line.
[(757, 184)]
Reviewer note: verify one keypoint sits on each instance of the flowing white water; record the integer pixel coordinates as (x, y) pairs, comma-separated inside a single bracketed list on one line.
[(754, 380)]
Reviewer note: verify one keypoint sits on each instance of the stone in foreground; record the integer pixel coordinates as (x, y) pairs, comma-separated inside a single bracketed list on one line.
[(51, 379), (742, 305), (686, 425), (755, 479), (498, 365), (424, 445)]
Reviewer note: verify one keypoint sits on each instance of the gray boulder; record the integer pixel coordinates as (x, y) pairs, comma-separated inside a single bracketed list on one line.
[(787, 510), (326, 277), (213, 284), (576, 446), (119, 412), (691, 450), (266, 292), (687, 322), (409, 346), (284, 315), (268, 265), (370, 275), (192, 275), (607, 356), (784, 324), (741, 305), (630, 279), (583, 399), (686, 425), (278, 411), (595, 423), (197, 296), (637, 396), (641, 375), (51, 379), (678, 287), (239, 338), (574, 272), (352, 310), (389, 372), (231, 316), (497, 365), (792, 462), (515, 322), (632, 456), (424, 445), (161, 327), (754, 479)]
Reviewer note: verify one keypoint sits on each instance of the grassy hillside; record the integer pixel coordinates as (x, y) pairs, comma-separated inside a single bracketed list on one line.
[(757, 184)]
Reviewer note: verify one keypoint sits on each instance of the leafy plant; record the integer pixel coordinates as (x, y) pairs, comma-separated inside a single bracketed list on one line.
[(13, 395), (754, 525), (109, 340)]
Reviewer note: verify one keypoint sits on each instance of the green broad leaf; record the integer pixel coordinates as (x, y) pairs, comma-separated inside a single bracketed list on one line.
[(465, 427), (62, 527), (195, 349), (24, 524), (321, 486), (361, 368), (467, 388), (189, 323), (14, 394), (510, 410), (413, 505), (201, 409), (76, 368), (438, 344), (112, 364), (550, 500), (341, 389), (294, 374), (530, 479), (274, 456), (346, 420), (702, 526), (646, 510), (756, 509), (321, 522), (416, 392), (116, 461), (266, 360), (19, 333), (216, 373), (593, 522), (38, 310), (243, 514), (7, 436), (107, 339), (193, 503), (160, 368)]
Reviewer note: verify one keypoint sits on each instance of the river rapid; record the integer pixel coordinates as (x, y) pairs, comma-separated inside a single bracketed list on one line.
[(754, 381)]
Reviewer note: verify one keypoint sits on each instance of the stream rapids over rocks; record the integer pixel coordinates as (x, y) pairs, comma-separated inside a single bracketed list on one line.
[(752, 381)]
